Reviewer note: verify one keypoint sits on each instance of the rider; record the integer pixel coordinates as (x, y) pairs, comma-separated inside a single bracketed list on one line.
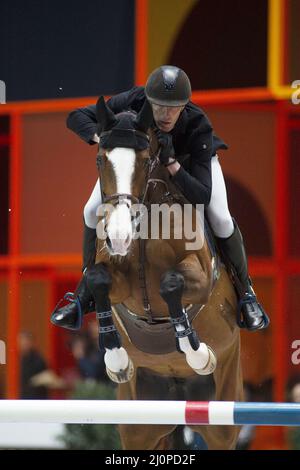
[(182, 128)]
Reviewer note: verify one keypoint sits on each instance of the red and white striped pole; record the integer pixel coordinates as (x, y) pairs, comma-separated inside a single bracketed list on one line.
[(149, 412)]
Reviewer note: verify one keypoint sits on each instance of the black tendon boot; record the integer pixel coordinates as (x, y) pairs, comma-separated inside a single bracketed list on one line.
[(251, 315), (81, 301)]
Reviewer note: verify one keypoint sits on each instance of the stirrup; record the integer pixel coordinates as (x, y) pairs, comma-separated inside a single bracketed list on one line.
[(250, 299), (72, 298)]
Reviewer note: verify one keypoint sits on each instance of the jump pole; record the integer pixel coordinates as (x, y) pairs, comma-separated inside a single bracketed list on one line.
[(149, 412)]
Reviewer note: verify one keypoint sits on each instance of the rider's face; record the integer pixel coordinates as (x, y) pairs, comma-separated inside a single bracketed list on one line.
[(166, 116)]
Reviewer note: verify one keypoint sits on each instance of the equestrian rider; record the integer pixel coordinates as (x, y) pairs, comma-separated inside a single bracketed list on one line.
[(182, 128)]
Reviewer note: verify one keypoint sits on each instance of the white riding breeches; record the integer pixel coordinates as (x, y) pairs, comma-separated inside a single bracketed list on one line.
[(90, 209), (217, 211)]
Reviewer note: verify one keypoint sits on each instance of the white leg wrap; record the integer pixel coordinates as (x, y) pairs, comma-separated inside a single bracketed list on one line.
[(203, 361), (116, 359), (119, 366)]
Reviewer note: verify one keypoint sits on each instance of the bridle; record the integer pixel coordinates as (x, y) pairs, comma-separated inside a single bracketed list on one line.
[(123, 198), (153, 161)]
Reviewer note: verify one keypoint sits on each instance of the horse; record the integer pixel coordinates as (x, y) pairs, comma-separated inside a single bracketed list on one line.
[(154, 297)]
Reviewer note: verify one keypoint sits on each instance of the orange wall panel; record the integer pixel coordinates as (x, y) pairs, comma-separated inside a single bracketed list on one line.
[(250, 160), (59, 173), (258, 348)]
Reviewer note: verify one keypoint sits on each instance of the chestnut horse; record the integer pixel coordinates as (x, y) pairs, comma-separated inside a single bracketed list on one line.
[(155, 297)]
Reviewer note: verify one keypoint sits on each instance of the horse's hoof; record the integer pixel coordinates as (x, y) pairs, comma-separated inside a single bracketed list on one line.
[(122, 376), (211, 364)]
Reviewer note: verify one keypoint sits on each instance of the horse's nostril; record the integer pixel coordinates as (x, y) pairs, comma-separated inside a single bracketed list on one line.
[(127, 241)]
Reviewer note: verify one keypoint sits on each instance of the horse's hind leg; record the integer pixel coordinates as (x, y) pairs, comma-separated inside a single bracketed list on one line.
[(142, 437), (146, 437), (218, 437)]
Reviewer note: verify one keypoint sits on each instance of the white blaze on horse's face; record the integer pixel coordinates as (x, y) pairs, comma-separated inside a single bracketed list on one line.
[(119, 228)]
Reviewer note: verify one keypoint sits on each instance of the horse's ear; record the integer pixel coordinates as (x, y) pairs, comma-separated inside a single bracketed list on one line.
[(104, 114), (145, 117)]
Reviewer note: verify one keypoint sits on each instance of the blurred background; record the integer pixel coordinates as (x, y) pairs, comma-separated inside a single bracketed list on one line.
[(57, 56)]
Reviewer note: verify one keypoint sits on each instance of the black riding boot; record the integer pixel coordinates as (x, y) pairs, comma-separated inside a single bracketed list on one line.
[(81, 301), (251, 315)]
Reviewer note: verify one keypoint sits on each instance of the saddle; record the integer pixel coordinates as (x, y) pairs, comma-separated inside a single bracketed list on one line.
[(151, 338)]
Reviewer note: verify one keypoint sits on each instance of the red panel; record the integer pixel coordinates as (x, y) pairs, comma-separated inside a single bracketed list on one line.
[(293, 325), (59, 174), (141, 41), (4, 139), (196, 412), (14, 245), (282, 198), (279, 266), (294, 200)]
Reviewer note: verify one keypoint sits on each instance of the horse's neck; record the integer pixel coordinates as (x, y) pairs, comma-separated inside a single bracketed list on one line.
[(160, 193)]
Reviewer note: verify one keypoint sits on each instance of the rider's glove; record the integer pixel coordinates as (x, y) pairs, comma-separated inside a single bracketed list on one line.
[(166, 146)]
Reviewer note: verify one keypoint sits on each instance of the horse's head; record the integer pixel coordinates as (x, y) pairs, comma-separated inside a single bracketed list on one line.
[(123, 161)]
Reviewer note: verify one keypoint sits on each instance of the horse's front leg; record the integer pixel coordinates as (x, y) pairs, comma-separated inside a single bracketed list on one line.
[(199, 356), (119, 366)]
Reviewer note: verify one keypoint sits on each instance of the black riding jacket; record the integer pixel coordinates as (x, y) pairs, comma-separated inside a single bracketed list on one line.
[(193, 140)]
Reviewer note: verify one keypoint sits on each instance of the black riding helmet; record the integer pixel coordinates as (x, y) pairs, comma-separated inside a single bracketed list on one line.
[(168, 86)]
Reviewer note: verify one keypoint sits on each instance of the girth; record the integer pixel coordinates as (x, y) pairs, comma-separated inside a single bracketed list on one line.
[(152, 338)]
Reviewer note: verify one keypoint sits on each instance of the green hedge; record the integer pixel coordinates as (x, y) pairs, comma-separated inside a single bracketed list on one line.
[(91, 436)]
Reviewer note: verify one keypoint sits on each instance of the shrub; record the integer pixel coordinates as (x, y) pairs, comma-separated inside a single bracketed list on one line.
[(91, 436)]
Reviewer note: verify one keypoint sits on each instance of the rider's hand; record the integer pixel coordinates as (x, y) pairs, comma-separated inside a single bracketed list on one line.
[(166, 146)]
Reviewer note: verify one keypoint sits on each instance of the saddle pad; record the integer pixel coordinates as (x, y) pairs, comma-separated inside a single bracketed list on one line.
[(157, 338)]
